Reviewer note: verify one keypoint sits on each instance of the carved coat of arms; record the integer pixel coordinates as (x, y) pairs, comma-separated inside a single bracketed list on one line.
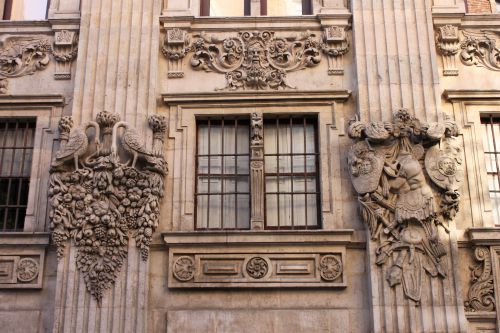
[(407, 176)]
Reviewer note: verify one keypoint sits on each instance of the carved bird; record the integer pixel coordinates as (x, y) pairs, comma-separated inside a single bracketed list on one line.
[(131, 142), (77, 145)]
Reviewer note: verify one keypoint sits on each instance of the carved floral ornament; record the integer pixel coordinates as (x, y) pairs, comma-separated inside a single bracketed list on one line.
[(481, 292), (98, 200), (251, 59), (23, 55), (407, 175), (475, 48)]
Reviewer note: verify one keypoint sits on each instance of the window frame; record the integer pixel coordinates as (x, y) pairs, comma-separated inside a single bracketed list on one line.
[(46, 109), (307, 8), (7, 11)]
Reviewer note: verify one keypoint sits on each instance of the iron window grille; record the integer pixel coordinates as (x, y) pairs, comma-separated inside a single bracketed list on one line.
[(16, 153), (491, 144)]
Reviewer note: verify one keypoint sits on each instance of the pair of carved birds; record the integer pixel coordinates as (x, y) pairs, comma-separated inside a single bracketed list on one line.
[(78, 142)]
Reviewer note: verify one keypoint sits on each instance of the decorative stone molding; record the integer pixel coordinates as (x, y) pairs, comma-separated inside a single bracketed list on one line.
[(255, 60), (481, 296), (481, 49), (257, 171), (175, 47), (65, 51), (335, 45), (99, 201), (448, 44), (20, 56), (257, 259), (401, 205)]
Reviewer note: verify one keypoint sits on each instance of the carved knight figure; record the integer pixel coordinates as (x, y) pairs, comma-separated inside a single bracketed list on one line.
[(401, 209)]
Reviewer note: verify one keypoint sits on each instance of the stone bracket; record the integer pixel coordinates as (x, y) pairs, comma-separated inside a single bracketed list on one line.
[(448, 44), (335, 46), (257, 259), (175, 47), (65, 51)]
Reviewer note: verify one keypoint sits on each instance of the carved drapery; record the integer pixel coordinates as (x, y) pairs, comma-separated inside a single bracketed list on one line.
[(20, 56), (98, 201), (254, 60), (480, 296), (403, 203), (65, 51), (448, 44)]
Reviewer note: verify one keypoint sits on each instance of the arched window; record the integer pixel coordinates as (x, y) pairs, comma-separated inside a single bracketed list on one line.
[(255, 8)]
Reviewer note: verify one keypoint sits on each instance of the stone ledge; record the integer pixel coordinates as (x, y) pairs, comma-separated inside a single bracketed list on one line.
[(24, 238), (484, 236)]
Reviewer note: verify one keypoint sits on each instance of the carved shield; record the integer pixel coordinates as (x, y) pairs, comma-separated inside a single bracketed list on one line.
[(444, 164), (365, 167)]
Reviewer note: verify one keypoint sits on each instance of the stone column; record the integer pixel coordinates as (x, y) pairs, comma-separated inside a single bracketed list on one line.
[(115, 71), (257, 172)]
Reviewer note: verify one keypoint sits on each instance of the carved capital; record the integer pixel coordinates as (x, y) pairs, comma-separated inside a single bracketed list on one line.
[(175, 47), (335, 45), (448, 44), (65, 51), (403, 203), (98, 201)]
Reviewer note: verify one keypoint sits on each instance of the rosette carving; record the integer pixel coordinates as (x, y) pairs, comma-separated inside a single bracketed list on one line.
[(99, 200), (403, 203), (257, 267)]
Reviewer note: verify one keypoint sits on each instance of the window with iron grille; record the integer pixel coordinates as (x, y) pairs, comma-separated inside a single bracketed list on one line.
[(16, 152), (491, 145), (291, 182), (24, 9), (264, 7)]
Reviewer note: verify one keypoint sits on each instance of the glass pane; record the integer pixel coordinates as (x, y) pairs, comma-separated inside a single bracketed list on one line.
[(17, 158), (243, 165), (202, 185), (229, 137), (311, 163), (285, 138), (229, 164), (298, 137), (270, 164), (229, 185), (227, 8), (243, 211), (26, 167), (299, 184), (14, 191), (272, 210), (214, 216), (202, 139), (310, 139), (243, 139), (4, 183), (215, 137), (299, 210), (28, 10), (312, 210), (6, 162), (229, 211), (270, 138), (311, 185), (11, 218), (493, 182), (285, 164), (215, 164), (284, 7), (285, 210), (298, 163), (20, 218), (201, 211), (215, 185), (243, 185), (203, 164), (24, 192)]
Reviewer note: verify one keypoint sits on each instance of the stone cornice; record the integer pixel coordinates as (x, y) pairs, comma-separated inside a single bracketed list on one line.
[(469, 94)]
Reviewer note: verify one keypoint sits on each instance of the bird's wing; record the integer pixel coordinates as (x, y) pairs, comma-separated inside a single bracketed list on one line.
[(131, 138), (76, 140)]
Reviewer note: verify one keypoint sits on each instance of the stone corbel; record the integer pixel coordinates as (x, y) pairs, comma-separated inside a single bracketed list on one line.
[(175, 47), (335, 45), (65, 51), (448, 44)]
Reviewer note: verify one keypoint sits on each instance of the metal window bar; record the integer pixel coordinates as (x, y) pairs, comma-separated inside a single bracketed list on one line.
[(211, 123), (15, 149), (306, 120), (491, 121)]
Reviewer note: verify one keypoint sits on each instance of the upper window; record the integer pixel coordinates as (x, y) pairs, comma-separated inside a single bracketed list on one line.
[(491, 144), (25, 9), (497, 2), (16, 153), (223, 177), (255, 8)]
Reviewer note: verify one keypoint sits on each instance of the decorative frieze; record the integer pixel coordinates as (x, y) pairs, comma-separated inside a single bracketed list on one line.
[(21, 269), (20, 56), (99, 200), (480, 48), (448, 44), (256, 60), (403, 203), (481, 294), (65, 51)]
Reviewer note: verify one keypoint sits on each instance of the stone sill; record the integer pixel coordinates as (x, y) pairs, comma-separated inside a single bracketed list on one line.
[(480, 316), (51, 100), (268, 237), (468, 94), (24, 238), (485, 236)]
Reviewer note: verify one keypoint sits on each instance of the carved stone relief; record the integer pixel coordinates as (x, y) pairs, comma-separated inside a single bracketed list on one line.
[(330, 267), (257, 171), (254, 60), (20, 56), (481, 295), (448, 44), (480, 48), (184, 268), (257, 267), (21, 271), (65, 51), (403, 203), (99, 201)]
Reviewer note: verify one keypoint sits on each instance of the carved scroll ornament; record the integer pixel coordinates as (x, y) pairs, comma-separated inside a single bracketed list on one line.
[(402, 204), (481, 49), (253, 60), (481, 292), (98, 201), (20, 56)]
